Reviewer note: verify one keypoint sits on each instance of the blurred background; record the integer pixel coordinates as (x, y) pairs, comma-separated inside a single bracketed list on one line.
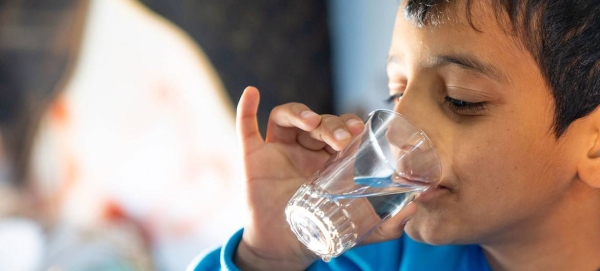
[(118, 148)]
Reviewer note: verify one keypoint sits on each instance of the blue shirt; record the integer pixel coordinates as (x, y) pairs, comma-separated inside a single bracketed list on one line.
[(402, 254)]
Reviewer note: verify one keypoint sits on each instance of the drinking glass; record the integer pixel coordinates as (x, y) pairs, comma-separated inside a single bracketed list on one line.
[(383, 169)]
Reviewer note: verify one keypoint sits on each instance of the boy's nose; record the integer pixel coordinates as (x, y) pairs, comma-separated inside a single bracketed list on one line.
[(420, 109), (413, 107)]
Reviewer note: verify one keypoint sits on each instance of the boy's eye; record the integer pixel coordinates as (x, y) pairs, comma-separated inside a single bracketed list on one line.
[(458, 106), (463, 106), (394, 98)]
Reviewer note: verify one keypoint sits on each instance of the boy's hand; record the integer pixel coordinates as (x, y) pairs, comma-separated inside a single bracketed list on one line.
[(298, 142)]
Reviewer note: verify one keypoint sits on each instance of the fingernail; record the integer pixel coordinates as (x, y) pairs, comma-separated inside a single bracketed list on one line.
[(353, 122), (307, 114), (341, 134)]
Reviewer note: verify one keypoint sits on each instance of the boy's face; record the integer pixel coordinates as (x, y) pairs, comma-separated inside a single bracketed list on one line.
[(482, 100)]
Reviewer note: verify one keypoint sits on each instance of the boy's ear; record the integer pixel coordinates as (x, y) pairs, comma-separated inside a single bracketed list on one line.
[(589, 167)]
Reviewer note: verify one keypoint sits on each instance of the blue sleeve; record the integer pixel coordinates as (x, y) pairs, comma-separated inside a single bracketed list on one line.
[(381, 256), (219, 259), (399, 254)]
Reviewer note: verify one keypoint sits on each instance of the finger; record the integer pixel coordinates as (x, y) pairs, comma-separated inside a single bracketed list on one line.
[(394, 226), (333, 131), (246, 120), (286, 119), (354, 124)]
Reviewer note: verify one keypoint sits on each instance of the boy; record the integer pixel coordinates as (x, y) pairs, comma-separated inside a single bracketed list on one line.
[(508, 92)]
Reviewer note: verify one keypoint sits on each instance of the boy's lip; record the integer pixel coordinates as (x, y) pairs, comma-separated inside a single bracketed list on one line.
[(434, 192), (446, 183)]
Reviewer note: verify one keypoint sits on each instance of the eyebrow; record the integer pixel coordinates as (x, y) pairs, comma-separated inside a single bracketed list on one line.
[(464, 62)]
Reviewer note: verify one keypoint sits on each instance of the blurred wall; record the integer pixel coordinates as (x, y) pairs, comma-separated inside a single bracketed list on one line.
[(282, 47)]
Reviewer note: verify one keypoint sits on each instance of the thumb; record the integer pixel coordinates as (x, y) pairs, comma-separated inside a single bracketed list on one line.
[(246, 120)]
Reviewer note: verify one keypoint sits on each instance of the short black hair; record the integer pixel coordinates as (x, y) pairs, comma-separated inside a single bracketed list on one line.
[(563, 36)]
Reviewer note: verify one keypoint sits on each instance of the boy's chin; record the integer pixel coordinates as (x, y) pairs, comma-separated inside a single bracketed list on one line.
[(429, 235)]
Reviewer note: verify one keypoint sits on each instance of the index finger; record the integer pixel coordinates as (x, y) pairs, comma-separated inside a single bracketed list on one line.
[(286, 119)]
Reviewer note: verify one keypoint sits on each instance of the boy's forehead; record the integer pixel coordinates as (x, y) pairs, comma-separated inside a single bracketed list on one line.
[(479, 44)]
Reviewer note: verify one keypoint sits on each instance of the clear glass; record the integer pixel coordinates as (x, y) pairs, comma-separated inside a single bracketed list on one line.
[(381, 171)]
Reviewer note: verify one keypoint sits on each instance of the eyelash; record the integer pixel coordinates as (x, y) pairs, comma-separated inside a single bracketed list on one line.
[(453, 104), (458, 105), (393, 98)]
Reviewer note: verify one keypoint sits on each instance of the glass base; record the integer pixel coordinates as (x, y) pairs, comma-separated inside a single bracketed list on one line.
[(321, 224)]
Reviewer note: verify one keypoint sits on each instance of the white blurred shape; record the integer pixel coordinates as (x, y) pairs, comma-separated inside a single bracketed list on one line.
[(145, 125), (22, 245)]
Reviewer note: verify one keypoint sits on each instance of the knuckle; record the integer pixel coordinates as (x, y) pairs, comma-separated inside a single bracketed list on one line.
[(287, 107), (278, 109), (331, 122), (297, 107), (321, 134), (349, 116)]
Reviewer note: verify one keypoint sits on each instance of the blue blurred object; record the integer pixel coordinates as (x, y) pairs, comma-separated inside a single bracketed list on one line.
[(361, 32)]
